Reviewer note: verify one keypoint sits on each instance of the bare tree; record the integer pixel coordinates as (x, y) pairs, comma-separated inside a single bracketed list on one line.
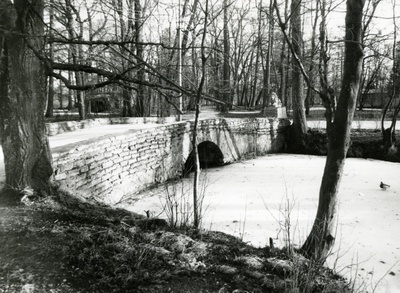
[(284, 68), (268, 61), (259, 48), (124, 57), (313, 52), (299, 127), (389, 133), (226, 81), (368, 78), (196, 214), (322, 236), (140, 93), (372, 68), (50, 86), (299, 119), (72, 14)]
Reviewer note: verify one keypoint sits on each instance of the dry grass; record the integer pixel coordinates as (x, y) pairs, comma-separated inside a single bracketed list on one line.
[(59, 244)]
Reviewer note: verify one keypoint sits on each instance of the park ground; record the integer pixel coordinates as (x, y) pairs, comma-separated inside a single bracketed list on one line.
[(57, 244), (255, 200)]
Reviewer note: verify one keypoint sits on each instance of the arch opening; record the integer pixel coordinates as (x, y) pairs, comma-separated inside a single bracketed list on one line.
[(210, 155)]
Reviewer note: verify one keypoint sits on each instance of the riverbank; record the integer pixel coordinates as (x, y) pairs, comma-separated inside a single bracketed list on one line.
[(61, 245), (252, 200)]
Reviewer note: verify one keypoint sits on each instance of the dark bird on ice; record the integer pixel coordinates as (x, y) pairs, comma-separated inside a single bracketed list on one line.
[(384, 186)]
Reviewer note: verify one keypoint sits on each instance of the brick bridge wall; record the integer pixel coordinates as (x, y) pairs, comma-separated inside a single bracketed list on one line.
[(108, 168)]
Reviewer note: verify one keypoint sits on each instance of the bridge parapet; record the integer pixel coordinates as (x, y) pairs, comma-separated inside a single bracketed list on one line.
[(108, 168)]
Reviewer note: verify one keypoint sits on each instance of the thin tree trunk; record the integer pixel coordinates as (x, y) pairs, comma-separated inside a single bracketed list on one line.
[(283, 66), (140, 94), (50, 87), (71, 95), (50, 97), (127, 107), (226, 84), (388, 134), (256, 70), (76, 57), (267, 71), (299, 117), (192, 99), (196, 215), (322, 236), (310, 92)]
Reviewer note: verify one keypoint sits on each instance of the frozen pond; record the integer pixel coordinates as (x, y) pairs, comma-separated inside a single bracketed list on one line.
[(251, 199)]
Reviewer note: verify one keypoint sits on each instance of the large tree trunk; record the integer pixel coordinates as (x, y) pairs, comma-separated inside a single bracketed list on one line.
[(322, 235), (22, 96)]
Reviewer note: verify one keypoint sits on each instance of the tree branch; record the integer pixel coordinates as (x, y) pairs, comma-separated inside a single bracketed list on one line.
[(296, 57)]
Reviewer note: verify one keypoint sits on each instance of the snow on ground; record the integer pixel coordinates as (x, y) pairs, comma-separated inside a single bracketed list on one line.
[(248, 199), (93, 132)]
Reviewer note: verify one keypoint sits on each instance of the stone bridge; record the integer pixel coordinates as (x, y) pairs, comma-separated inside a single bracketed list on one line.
[(109, 167)]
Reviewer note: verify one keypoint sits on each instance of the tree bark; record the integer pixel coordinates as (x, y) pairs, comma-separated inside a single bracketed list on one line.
[(388, 135), (310, 92), (127, 101), (50, 87), (76, 54), (196, 203), (226, 84), (283, 66), (140, 94), (299, 117), (26, 150), (322, 236), (268, 61), (50, 98)]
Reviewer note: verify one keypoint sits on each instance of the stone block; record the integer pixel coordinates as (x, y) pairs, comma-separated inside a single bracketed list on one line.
[(65, 166), (124, 163), (79, 163), (89, 160), (110, 148), (73, 173), (94, 182), (93, 170), (117, 160), (107, 155), (124, 174), (59, 177), (84, 169), (275, 112), (107, 164)]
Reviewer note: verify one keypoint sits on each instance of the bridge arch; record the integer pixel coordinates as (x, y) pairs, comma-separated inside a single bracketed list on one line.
[(210, 155)]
